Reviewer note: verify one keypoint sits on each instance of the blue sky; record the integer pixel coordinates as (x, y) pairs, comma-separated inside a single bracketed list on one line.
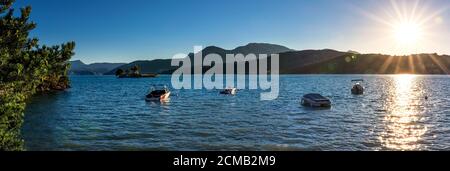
[(128, 30)]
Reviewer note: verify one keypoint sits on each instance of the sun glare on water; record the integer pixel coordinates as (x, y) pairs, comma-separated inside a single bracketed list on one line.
[(404, 81), (402, 127)]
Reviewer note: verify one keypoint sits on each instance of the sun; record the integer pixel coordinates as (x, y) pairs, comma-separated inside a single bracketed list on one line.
[(407, 33), (404, 27)]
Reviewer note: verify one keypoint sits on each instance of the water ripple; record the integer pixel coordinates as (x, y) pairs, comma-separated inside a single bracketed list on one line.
[(105, 113)]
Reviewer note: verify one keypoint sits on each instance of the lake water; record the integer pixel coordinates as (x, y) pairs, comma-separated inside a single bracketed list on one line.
[(106, 113)]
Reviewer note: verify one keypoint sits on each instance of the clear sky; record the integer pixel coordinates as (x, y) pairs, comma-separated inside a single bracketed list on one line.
[(128, 30)]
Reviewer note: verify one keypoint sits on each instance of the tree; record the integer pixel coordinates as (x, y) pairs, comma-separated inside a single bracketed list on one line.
[(135, 69), (119, 72), (25, 68)]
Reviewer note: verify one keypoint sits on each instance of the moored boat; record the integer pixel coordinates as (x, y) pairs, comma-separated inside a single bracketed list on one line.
[(230, 91), (158, 93), (357, 87), (315, 100)]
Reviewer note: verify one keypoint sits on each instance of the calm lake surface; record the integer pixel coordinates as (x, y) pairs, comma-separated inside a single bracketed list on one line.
[(106, 113)]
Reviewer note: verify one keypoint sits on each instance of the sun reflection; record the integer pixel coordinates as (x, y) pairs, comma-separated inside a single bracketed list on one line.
[(402, 122), (403, 84)]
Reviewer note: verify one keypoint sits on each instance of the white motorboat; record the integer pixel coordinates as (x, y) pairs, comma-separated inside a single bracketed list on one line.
[(230, 91), (158, 93), (357, 87)]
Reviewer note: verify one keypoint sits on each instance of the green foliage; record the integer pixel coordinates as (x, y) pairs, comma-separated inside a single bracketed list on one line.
[(119, 72), (12, 105), (135, 70), (25, 68)]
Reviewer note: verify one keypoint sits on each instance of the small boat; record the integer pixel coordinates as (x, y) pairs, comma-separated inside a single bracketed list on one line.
[(315, 100), (230, 91), (357, 87), (158, 93)]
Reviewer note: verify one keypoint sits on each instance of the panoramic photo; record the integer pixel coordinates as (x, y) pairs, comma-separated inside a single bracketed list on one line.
[(228, 75)]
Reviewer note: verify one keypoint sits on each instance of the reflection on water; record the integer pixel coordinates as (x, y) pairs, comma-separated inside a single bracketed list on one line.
[(164, 105), (164, 102), (403, 128)]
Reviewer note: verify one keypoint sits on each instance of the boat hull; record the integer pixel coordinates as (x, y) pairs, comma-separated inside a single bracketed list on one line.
[(229, 92), (160, 98), (311, 103), (357, 90)]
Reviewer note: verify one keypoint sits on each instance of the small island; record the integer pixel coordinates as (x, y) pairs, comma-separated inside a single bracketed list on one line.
[(133, 72)]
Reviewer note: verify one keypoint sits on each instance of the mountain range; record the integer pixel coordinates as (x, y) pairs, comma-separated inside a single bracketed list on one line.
[(325, 61), (164, 65), (80, 68)]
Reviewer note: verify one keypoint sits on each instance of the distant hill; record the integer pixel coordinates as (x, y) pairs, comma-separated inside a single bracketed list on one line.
[(261, 48), (380, 64), (146, 67), (80, 68), (290, 62), (325, 61), (164, 65), (251, 48)]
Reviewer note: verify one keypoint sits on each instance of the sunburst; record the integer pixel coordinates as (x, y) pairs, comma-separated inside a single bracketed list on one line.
[(407, 33), (405, 26)]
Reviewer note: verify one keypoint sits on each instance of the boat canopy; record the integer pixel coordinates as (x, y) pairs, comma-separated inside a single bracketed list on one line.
[(315, 97), (357, 80)]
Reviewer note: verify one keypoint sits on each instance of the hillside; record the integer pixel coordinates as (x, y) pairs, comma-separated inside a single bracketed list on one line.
[(146, 67), (379, 64), (79, 68), (326, 61), (164, 65), (290, 62)]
